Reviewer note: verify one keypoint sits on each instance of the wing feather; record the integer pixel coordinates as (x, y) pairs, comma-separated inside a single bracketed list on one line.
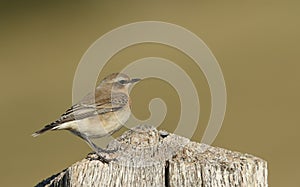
[(87, 108)]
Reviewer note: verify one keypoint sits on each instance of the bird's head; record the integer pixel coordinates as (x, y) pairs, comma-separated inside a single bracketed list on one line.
[(119, 81)]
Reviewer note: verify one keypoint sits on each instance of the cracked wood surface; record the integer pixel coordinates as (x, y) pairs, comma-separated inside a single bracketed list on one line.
[(147, 157)]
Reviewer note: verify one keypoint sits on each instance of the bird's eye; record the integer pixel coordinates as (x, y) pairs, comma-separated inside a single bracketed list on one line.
[(122, 81)]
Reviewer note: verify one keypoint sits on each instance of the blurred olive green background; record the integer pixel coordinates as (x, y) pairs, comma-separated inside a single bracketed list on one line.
[(255, 42)]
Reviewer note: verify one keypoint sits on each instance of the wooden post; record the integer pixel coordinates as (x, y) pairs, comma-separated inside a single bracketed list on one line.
[(147, 157)]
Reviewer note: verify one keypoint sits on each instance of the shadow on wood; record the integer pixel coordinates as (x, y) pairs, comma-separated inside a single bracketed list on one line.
[(147, 157)]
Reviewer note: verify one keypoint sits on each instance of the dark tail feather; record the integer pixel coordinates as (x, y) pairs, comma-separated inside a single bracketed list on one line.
[(46, 128)]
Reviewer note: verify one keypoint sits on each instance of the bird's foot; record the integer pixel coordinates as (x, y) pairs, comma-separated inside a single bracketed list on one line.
[(102, 157), (106, 155), (106, 160)]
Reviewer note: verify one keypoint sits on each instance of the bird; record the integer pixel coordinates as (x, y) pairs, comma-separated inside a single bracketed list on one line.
[(99, 113)]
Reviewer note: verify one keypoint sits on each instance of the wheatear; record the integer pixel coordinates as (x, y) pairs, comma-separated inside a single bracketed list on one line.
[(99, 113)]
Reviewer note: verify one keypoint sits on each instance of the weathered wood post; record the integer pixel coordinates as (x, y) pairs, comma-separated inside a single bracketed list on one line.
[(147, 157)]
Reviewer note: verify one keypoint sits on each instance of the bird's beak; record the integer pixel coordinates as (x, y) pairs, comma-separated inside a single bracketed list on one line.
[(135, 80)]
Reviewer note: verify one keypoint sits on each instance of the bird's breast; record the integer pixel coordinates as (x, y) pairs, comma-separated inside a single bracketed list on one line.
[(102, 125)]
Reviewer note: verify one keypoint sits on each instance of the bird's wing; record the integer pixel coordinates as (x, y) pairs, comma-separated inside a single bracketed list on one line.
[(113, 103), (88, 108)]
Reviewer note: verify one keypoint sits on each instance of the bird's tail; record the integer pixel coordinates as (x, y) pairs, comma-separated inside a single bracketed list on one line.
[(51, 126)]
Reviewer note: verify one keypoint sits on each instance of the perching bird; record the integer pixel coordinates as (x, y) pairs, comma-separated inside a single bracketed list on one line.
[(99, 113)]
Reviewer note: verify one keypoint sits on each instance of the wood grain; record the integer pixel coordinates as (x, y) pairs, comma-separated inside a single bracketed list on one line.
[(147, 157)]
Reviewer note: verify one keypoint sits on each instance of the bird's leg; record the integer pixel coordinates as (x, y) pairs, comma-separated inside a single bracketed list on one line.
[(99, 150), (92, 145)]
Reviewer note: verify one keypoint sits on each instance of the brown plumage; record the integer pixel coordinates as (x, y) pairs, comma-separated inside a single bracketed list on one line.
[(99, 113)]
